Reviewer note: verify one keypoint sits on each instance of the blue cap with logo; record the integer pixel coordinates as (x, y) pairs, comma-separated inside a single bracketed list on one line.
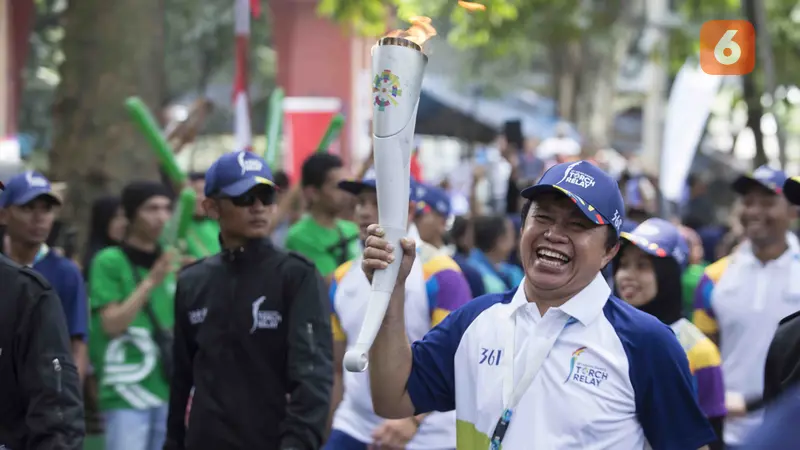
[(355, 187), (594, 192), (431, 198), (661, 239), (765, 177), (233, 174), (26, 187)]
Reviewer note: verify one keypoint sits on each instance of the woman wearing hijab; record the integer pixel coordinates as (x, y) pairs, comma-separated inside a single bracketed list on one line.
[(647, 275), (107, 228)]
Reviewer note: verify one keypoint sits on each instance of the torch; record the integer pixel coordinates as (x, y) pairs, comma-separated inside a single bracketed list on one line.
[(398, 64)]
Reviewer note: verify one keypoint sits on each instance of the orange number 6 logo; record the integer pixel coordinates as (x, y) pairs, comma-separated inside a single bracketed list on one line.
[(727, 47)]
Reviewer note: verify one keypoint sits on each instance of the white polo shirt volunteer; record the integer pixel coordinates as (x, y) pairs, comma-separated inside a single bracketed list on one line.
[(742, 300), (594, 373), (434, 287)]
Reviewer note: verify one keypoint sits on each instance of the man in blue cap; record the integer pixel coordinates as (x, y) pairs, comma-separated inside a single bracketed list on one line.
[(251, 326), (782, 374), (431, 215), (434, 288), (558, 362), (742, 298), (29, 211), (39, 382)]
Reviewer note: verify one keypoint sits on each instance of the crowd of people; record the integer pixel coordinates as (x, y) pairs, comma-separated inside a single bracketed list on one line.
[(558, 307)]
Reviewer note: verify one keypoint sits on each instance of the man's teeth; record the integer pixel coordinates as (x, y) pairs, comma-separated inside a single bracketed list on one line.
[(552, 256)]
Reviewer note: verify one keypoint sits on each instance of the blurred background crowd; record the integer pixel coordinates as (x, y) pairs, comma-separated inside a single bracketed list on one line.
[(507, 94)]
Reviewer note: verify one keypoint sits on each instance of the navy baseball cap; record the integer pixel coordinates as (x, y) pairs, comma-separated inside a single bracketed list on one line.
[(594, 192), (765, 177), (791, 189), (659, 238), (431, 198), (233, 174), (355, 187), (26, 187)]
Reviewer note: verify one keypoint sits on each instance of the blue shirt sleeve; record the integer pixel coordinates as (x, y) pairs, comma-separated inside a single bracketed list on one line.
[(431, 383), (779, 429), (74, 301), (666, 400)]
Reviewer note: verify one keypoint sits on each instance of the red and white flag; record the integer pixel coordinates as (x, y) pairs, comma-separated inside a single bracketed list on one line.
[(241, 128)]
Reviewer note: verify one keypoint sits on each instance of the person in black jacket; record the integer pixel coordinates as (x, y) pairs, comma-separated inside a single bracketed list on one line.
[(40, 401), (252, 329)]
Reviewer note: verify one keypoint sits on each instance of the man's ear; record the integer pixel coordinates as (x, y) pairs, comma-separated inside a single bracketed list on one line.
[(610, 254), (212, 208)]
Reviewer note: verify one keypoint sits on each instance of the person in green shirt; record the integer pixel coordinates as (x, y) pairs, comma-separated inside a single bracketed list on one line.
[(321, 236), (127, 282), (203, 235)]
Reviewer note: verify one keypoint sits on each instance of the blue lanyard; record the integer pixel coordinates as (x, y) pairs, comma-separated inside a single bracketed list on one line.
[(504, 421)]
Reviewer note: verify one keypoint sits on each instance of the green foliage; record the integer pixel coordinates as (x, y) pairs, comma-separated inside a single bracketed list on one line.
[(199, 48)]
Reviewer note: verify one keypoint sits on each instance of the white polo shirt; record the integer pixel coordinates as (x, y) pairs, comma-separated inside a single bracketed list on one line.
[(744, 300), (615, 378), (355, 415)]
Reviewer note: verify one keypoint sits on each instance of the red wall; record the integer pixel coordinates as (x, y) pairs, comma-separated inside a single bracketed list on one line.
[(314, 56), (22, 12)]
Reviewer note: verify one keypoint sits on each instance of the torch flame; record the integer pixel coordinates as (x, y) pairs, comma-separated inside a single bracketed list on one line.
[(419, 32), (471, 6)]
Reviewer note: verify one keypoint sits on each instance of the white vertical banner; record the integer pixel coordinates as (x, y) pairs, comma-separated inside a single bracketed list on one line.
[(689, 106)]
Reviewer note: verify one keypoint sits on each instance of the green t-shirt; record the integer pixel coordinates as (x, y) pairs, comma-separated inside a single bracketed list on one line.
[(327, 247), (689, 281), (128, 367), (203, 238)]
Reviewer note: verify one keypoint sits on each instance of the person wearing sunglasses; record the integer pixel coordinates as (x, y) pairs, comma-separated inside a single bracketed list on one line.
[(251, 326)]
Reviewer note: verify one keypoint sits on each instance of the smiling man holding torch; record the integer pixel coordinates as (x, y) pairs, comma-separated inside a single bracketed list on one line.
[(572, 365)]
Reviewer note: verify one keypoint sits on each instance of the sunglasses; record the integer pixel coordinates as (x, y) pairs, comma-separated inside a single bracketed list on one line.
[(266, 196)]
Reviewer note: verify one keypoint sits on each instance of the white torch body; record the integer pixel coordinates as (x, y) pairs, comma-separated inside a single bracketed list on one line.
[(397, 67)]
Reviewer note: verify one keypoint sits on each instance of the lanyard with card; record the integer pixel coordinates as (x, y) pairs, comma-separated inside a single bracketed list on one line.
[(538, 347)]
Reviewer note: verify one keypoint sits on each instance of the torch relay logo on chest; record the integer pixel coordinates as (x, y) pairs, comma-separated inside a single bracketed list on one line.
[(580, 372)]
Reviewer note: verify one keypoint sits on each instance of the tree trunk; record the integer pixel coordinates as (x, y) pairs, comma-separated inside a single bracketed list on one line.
[(752, 97), (112, 50), (601, 61)]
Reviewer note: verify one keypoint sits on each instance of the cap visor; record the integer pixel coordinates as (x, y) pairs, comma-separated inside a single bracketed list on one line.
[(791, 189), (34, 194), (354, 187), (642, 244), (242, 186), (744, 184), (588, 210)]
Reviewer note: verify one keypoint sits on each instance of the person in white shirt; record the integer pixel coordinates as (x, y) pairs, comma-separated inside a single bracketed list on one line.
[(557, 363), (434, 287), (741, 299)]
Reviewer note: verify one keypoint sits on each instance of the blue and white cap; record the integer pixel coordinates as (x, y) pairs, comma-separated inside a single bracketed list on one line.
[(764, 176), (26, 187), (659, 238), (233, 174), (431, 198), (594, 192)]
